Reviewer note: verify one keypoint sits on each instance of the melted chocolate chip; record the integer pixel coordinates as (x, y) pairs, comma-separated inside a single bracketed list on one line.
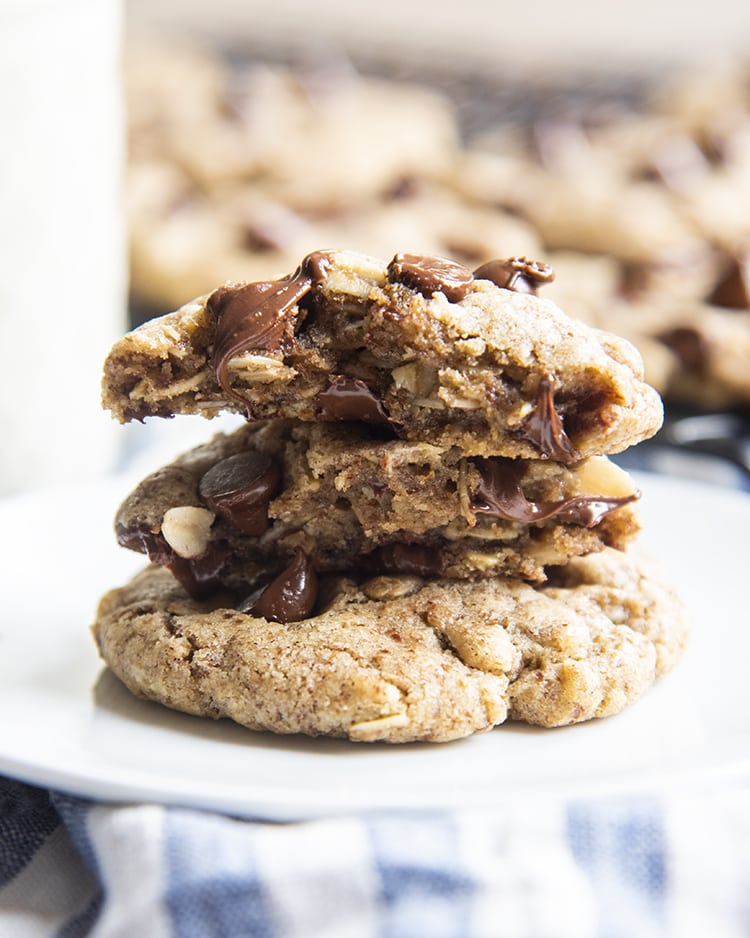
[(588, 510), (634, 279), (499, 493), (290, 597), (544, 429), (733, 289), (350, 399), (199, 576), (239, 489), (255, 316), (413, 559), (516, 273), (688, 345), (428, 275), (407, 187)]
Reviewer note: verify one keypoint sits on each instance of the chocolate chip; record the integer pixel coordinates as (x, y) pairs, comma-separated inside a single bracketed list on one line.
[(688, 345), (516, 273), (415, 559), (428, 275), (288, 598), (255, 316), (239, 489), (350, 399), (499, 493), (199, 576), (544, 429), (733, 289)]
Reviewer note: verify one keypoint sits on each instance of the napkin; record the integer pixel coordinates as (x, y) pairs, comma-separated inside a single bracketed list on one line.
[(603, 868)]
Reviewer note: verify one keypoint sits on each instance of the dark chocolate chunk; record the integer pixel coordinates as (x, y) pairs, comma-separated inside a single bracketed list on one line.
[(688, 345), (415, 559), (239, 489), (350, 399), (290, 597), (199, 576), (733, 289)]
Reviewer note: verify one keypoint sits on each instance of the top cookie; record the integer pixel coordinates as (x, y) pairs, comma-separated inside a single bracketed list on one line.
[(421, 347)]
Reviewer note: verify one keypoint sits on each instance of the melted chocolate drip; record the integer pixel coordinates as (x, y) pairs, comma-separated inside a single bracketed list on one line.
[(500, 494), (240, 488), (290, 597), (428, 275), (350, 399), (544, 429), (516, 273), (410, 558), (254, 316), (199, 576)]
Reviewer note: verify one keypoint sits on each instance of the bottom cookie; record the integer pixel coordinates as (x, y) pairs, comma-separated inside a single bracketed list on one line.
[(400, 658)]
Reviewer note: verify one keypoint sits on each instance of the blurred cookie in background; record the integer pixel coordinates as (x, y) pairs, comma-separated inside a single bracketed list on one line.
[(637, 198)]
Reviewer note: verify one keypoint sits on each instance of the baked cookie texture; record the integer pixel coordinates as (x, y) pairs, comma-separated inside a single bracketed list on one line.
[(402, 658), (417, 535), (425, 347), (241, 504)]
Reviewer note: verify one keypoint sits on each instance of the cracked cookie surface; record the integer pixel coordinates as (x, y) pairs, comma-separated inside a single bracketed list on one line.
[(401, 658), (420, 346)]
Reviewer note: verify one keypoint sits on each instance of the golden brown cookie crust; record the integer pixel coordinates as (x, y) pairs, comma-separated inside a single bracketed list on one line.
[(402, 659)]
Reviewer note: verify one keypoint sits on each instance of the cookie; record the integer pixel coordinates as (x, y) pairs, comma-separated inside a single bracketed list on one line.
[(401, 658), (185, 240), (238, 507), (657, 194), (420, 346), (712, 349), (690, 318), (313, 137), (577, 197)]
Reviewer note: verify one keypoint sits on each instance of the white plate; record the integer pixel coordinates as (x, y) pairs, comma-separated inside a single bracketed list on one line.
[(68, 723)]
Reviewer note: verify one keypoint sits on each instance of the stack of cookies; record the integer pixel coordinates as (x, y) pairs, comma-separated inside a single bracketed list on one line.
[(416, 535)]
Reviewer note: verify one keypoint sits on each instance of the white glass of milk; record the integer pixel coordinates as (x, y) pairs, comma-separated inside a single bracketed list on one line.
[(62, 243)]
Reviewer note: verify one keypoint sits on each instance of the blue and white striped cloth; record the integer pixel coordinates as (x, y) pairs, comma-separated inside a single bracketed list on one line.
[(641, 868), (675, 864)]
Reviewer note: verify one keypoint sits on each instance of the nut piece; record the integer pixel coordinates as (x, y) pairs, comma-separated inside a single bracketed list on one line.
[(371, 730), (420, 380), (598, 476), (260, 369), (187, 530), (385, 588)]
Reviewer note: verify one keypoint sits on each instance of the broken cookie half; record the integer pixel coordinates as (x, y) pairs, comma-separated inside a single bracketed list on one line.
[(234, 511), (422, 348)]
